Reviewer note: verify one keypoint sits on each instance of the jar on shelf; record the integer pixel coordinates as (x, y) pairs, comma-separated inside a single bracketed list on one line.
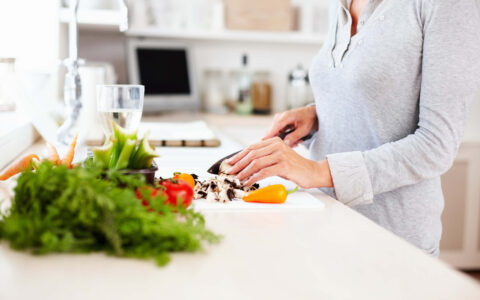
[(213, 94), (261, 93), (232, 89), (298, 89)]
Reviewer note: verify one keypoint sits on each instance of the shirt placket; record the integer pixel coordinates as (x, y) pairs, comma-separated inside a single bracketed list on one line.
[(343, 28)]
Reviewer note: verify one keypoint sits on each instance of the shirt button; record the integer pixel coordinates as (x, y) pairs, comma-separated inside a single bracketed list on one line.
[(362, 22), (341, 66), (382, 18)]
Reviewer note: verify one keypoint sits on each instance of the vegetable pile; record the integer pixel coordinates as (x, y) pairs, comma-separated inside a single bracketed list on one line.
[(122, 152), (86, 208), (32, 160)]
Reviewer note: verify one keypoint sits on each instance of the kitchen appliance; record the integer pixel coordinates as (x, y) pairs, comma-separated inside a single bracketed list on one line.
[(165, 69), (215, 168)]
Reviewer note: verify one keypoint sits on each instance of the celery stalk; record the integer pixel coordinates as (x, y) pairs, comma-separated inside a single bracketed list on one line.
[(121, 135), (124, 157), (102, 155), (144, 156)]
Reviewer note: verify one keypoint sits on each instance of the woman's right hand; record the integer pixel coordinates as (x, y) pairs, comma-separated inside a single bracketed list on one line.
[(303, 119)]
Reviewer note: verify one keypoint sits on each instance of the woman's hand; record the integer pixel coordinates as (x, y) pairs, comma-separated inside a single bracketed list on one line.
[(303, 119), (272, 157)]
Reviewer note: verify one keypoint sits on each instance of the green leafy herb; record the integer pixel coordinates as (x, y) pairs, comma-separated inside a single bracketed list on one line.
[(86, 208)]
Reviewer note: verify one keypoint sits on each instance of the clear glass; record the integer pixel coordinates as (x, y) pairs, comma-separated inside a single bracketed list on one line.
[(122, 104)]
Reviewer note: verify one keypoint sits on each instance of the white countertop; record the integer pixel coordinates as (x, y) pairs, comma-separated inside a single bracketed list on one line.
[(329, 253)]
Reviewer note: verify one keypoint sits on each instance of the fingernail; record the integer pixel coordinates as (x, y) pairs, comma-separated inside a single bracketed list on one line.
[(229, 171)]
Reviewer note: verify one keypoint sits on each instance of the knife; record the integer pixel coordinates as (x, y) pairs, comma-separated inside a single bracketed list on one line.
[(215, 168)]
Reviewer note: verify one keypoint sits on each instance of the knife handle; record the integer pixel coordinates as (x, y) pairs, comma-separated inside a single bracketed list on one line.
[(289, 129)]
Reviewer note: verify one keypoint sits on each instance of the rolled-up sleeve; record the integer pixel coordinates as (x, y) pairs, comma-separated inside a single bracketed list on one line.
[(449, 82), (350, 178)]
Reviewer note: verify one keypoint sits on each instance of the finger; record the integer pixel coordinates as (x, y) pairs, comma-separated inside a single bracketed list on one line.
[(252, 155), (233, 160), (295, 137), (256, 165), (262, 174), (280, 122), (296, 144)]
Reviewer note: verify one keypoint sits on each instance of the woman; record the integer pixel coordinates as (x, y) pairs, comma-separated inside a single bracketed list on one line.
[(392, 85)]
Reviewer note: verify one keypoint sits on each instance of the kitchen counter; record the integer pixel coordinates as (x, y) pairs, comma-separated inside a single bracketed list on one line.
[(329, 253)]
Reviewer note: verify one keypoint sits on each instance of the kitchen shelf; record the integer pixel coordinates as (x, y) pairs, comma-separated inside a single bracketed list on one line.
[(230, 35), (108, 19), (105, 19)]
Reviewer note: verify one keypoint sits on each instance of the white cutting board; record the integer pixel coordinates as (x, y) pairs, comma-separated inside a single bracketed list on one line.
[(297, 200)]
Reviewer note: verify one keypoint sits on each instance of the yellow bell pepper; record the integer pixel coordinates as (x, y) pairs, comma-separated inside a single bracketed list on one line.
[(276, 193)]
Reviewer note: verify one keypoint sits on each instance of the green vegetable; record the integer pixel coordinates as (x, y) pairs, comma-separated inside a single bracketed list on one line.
[(120, 137), (143, 158), (102, 155), (86, 209), (125, 153), (121, 152)]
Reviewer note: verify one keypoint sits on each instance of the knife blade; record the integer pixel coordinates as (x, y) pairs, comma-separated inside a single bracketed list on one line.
[(215, 168)]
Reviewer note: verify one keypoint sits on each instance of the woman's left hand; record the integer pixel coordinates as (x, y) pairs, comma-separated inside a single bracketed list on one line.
[(272, 157)]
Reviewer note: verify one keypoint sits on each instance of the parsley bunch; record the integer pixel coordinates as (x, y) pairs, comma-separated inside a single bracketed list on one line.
[(84, 209)]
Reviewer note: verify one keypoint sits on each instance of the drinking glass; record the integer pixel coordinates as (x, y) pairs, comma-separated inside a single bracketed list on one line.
[(120, 103)]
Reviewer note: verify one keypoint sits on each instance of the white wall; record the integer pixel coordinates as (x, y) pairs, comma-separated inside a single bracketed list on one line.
[(28, 32)]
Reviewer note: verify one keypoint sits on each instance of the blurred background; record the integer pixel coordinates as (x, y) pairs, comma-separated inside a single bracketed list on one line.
[(233, 63)]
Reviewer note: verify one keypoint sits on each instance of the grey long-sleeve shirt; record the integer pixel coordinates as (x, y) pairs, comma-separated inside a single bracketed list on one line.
[(392, 103)]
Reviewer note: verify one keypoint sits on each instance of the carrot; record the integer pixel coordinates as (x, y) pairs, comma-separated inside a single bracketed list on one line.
[(53, 154), (18, 166), (68, 158)]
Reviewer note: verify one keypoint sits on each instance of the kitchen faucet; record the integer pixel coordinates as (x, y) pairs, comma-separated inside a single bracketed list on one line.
[(73, 84)]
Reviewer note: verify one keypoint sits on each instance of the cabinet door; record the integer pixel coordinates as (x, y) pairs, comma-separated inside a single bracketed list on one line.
[(460, 245)]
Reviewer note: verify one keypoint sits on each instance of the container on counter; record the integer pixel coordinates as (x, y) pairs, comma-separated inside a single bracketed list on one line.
[(261, 93), (298, 89), (244, 104), (232, 90), (213, 94)]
